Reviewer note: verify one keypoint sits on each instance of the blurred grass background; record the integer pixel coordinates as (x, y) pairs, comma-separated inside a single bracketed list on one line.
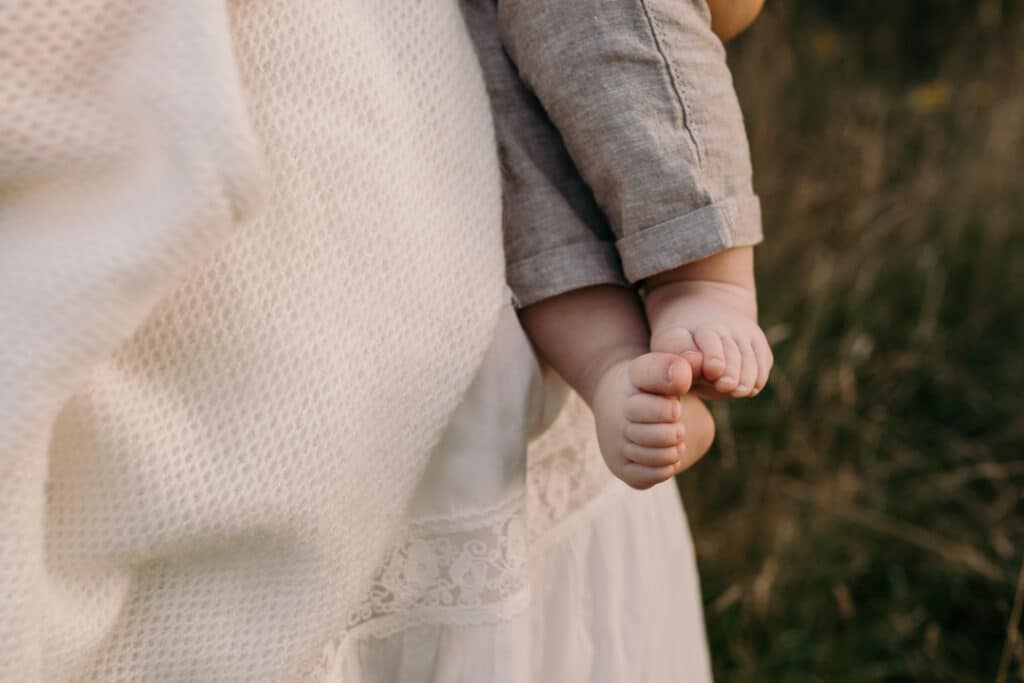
[(862, 520)]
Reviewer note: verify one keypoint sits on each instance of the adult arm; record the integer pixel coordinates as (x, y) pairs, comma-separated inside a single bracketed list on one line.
[(729, 18), (126, 154)]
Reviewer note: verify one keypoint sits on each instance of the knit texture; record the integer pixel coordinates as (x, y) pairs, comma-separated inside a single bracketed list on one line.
[(250, 259)]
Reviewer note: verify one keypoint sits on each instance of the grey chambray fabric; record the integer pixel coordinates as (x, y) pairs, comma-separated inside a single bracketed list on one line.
[(642, 95), (634, 96), (556, 239)]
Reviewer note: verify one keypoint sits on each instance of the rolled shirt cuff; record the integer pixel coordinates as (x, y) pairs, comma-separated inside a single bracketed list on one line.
[(564, 269), (733, 222)]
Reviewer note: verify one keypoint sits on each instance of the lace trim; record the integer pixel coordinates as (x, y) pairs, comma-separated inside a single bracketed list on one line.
[(453, 568), (465, 570), (473, 568), (565, 471)]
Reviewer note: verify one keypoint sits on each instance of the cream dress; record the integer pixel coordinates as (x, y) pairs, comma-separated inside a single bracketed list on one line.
[(535, 568)]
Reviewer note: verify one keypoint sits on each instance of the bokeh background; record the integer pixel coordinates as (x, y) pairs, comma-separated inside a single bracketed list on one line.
[(862, 520)]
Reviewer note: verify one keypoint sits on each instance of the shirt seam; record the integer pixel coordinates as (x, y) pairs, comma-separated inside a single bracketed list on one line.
[(673, 77)]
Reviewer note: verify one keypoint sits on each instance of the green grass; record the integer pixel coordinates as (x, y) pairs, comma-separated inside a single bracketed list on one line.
[(862, 520)]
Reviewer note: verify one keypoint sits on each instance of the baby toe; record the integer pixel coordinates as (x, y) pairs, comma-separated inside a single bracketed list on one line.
[(660, 373), (650, 408), (641, 477), (763, 352), (711, 346), (652, 457), (680, 342), (655, 435), (729, 379), (748, 371)]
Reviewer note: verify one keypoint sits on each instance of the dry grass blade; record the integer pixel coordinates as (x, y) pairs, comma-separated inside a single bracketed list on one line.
[(1013, 645), (957, 555)]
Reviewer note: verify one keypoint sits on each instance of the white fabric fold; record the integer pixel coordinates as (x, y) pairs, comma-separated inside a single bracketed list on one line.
[(555, 572)]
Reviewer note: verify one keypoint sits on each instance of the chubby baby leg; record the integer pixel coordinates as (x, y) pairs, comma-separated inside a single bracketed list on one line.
[(598, 341)]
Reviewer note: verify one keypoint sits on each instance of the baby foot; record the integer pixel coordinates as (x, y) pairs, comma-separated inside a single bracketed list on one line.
[(712, 325), (637, 409)]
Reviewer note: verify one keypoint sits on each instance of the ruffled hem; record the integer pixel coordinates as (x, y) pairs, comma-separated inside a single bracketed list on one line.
[(612, 596), (567, 575)]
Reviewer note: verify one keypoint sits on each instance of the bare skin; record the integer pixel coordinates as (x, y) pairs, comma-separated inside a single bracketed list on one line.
[(706, 312), (648, 427), (637, 379), (729, 18)]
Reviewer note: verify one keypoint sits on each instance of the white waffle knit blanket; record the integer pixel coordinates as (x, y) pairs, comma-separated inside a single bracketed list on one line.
[(250, 260)]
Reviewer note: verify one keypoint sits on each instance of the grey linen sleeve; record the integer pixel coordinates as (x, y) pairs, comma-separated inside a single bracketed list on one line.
[(556, 238), (643, 98)]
